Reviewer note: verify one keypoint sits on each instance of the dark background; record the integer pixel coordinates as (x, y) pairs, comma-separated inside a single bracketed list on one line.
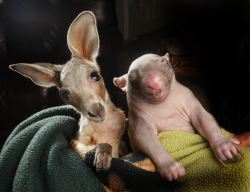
[(208, 42)]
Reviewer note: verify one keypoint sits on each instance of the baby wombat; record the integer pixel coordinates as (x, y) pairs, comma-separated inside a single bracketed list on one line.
[(158, 102)]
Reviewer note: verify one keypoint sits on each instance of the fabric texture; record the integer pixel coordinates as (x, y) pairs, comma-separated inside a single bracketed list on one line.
[(36, 158), (203, 171)]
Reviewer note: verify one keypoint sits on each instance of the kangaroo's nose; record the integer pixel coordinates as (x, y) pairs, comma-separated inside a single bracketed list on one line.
[(97, 110)]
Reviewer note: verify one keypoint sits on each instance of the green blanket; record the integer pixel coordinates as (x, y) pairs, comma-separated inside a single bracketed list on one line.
[(36, 157)]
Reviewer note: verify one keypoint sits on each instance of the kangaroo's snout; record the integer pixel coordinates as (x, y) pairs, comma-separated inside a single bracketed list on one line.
[(96, 112)]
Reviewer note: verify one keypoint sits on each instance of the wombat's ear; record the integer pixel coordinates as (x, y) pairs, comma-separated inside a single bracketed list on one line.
[(166, 56), (121, 82)]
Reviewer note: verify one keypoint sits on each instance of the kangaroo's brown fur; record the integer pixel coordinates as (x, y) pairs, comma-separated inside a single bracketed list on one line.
[(80, 85)]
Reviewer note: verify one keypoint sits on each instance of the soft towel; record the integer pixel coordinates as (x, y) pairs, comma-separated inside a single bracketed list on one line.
[(203, 171), (36, 156)]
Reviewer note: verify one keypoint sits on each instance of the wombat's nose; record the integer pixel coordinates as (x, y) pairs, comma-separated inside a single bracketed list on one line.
[(97, 110), (152, 82)]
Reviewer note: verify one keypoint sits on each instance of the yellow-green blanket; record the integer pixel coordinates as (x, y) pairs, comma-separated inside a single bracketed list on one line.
[(203, 171)]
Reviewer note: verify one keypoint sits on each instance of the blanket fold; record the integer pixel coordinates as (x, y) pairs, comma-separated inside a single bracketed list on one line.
[(203, 171), (36, 157)]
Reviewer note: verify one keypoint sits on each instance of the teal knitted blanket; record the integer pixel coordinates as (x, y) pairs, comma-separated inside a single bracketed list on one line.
[(36, 156)]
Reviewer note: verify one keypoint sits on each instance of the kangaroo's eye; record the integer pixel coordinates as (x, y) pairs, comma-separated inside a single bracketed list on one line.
[(95, 76), (65, 94)]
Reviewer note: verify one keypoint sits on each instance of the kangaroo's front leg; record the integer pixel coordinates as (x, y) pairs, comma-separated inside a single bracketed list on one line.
[(103, 153), (103, 156), (80, 148)]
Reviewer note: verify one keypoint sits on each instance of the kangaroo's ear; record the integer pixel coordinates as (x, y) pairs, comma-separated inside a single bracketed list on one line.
[(121, 82), (82, 37), (42, 74)]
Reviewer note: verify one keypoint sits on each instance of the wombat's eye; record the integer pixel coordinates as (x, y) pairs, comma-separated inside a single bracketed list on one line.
[(132, 75), (163, 60), (65, 94), (95, 76)]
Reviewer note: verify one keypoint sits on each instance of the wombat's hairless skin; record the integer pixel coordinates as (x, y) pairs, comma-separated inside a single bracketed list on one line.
[(158, 102)]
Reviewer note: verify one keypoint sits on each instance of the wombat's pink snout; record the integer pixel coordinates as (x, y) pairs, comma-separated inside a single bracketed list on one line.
[(153, 83)]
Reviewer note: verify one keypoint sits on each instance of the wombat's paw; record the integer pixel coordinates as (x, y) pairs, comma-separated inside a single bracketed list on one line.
[(226, 150), (103, 157), (171, 171)]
